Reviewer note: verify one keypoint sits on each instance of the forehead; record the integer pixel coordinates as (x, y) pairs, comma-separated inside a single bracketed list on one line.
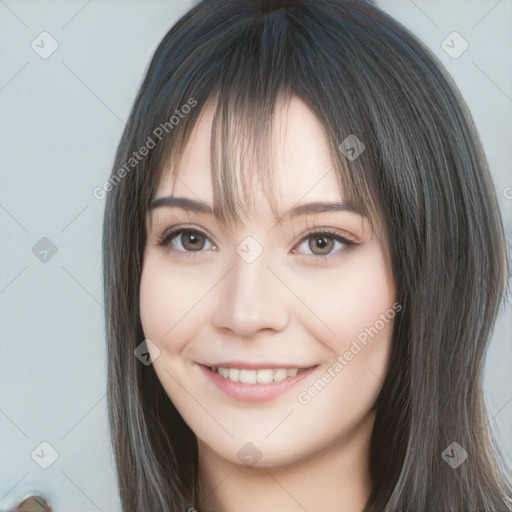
[(303, 167)]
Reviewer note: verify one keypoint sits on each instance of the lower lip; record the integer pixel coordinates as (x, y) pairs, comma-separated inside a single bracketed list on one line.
[(254, 392)]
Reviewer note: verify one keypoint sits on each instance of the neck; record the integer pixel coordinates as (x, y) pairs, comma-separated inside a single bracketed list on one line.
[(334, 479)]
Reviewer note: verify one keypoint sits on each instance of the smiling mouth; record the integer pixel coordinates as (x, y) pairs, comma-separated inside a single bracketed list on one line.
[(260, 376)]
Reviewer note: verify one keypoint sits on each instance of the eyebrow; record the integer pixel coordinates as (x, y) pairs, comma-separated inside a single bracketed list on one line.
[(204, 208)]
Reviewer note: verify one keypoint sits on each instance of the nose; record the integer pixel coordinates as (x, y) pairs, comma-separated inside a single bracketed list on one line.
[(251, 298)]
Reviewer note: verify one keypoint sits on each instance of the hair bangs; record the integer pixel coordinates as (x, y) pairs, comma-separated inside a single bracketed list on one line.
[(243, 150)]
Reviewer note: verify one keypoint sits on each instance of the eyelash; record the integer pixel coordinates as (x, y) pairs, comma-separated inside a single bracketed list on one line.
[(170, 233)]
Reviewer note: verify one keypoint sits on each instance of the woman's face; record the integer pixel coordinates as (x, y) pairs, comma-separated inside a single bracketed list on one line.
[(271, 341)]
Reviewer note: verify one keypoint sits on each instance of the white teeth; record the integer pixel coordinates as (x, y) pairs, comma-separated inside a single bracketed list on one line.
[(265, 376), (233, 374), (280, 374), (247, 376)]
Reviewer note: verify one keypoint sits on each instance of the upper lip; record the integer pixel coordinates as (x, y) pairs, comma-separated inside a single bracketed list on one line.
[(245, 365)]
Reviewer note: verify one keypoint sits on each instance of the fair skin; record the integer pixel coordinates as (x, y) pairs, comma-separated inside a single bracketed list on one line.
[(287, 308)]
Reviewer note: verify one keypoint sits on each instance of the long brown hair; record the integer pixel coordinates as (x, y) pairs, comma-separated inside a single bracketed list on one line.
[(423, 175)]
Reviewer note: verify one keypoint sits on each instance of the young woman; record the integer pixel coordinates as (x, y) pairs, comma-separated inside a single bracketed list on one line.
[(302, 236)]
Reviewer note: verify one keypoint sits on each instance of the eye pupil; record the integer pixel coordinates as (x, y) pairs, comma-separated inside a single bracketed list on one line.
[(324, 243), (195, 238)]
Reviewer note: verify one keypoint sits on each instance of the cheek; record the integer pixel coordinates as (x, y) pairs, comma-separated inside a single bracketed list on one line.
[(170, 303), (359, 307), (353, 301)]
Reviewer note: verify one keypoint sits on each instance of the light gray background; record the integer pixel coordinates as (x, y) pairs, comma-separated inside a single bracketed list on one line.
[(60, 121)]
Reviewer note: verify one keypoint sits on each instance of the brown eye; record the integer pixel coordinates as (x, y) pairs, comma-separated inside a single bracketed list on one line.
[(192, 240), (185, 241), (323, 244)]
